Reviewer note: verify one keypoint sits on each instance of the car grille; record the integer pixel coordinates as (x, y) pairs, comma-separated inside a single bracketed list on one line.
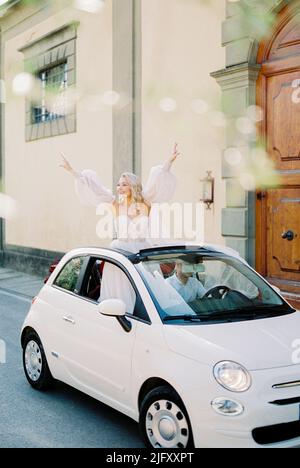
[(277, 433), (287, 384), (285, 401)]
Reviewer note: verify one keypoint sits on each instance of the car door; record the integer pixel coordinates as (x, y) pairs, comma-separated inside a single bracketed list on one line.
[(100, 349), (59, 301)]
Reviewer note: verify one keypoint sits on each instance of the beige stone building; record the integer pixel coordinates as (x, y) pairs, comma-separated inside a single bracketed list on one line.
[(128, 79), (136, 133)]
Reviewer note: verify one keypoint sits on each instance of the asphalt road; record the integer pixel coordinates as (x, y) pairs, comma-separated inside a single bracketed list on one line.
[(61, 417)]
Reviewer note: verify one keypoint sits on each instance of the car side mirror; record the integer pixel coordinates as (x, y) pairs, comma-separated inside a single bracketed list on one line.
[(115, 308), (112, 308)]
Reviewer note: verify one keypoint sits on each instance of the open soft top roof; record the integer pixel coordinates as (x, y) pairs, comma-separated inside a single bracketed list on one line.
[(177, 249), (136, 257)]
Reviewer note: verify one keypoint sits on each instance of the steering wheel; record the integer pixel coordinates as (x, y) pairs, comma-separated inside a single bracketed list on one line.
[(217, 292)]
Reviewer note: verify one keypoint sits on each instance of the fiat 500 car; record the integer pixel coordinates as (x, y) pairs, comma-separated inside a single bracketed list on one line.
[(189, 341)]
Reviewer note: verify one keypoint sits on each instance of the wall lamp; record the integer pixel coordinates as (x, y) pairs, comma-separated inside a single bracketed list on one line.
[(207, 190)]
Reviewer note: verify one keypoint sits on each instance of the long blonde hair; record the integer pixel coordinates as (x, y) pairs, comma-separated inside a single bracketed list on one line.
[(136, 189), (135, 185)]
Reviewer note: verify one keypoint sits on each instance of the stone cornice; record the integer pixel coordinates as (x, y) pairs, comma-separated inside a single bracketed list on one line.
[(236, 76), (68, 30), (6, 7)]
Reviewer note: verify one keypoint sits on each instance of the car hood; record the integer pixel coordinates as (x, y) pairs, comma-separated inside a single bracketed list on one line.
[(257, 344)]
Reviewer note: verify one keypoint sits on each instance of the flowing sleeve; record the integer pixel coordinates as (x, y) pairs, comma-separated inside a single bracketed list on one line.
[(160, 186), (90, 190)]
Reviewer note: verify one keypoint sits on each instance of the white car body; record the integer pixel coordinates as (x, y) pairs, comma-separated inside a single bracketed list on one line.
[(92, 353)]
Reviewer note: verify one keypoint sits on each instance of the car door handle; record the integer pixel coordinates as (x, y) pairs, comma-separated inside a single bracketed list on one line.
[(69, 320)]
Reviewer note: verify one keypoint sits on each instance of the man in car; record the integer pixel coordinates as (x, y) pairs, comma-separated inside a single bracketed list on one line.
[(186, 285)]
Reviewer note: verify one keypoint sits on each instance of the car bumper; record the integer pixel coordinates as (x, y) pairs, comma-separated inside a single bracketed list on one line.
[(225, 438), (271, 417)]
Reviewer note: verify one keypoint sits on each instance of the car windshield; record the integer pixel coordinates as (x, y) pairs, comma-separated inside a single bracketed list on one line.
[(202, 288)]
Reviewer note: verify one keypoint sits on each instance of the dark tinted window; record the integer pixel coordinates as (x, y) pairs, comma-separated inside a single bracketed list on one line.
[(69, 276)]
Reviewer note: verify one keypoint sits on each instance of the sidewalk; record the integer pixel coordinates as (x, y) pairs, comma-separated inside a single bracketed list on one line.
[(19, 283)]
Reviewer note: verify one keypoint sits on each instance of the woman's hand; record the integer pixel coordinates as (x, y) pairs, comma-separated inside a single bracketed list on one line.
[(66, 165), (169, 162), (175, 153)]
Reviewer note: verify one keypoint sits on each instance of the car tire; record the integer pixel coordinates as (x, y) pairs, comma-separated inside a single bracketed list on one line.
[(35, 363), (164, 422)]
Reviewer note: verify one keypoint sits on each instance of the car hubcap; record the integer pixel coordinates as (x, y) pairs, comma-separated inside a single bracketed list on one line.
[(33, 360), (166, 425)]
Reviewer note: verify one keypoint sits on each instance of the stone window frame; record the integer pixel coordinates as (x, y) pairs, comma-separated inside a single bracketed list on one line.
[(46, 52)]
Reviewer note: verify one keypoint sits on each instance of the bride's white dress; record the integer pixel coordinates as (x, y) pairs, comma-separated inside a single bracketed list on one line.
[(133, 234)]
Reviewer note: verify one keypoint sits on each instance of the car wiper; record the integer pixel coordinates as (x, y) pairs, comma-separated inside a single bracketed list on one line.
[(189, 318), (250, 312), (247, 312), (205, 318)]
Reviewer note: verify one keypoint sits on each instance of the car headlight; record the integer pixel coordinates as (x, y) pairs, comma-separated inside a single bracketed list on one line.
[(232, 376)]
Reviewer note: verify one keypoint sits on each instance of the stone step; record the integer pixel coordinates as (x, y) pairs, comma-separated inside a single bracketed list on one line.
[(292, 298)]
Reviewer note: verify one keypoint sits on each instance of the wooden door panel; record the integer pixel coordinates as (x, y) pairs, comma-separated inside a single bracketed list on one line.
[(283, 113), (278, 208), (288, 40), (283, 212)]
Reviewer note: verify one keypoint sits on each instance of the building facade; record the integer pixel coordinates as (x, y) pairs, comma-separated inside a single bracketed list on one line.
[(143, 74), (263, 69), (137, 84)]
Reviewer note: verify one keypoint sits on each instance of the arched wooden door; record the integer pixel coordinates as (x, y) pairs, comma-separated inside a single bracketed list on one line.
[(278, 209)]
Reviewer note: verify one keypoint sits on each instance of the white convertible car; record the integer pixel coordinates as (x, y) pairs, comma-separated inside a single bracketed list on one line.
[(194, 344)]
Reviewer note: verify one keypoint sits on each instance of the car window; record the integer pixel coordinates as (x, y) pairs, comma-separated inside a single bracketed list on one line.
[(116, 285), (208, 287), (69, 275), (92, 282), (105, 280)]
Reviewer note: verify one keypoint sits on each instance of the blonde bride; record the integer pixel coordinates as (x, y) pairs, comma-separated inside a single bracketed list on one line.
[(131, 207)]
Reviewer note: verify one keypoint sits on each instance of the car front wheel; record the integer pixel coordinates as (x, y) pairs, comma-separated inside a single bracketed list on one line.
[(164, 422), (35, 363)]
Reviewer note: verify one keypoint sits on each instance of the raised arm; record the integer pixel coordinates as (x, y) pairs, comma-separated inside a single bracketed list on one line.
[(88, 186), (161, 184), (67, 166), (168, 164)]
